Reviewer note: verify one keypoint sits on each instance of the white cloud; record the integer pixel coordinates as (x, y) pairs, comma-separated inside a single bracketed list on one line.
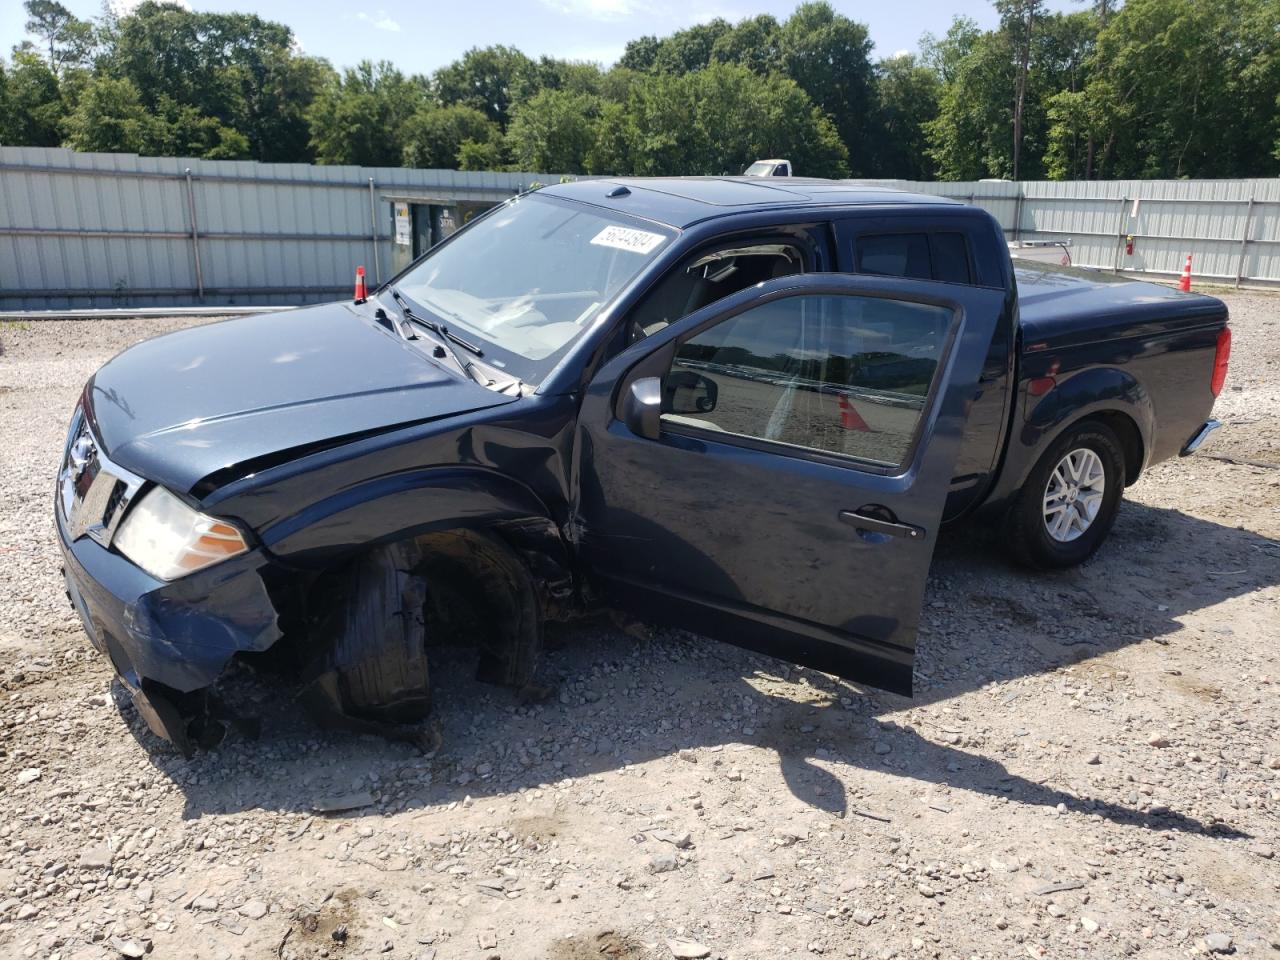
[(901, 53), (122, 8), (595, 9), (379, 21)]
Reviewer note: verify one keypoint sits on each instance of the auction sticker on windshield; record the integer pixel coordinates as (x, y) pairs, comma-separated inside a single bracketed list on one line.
[(626, 238)]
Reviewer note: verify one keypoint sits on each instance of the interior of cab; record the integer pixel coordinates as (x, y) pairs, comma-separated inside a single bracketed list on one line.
[(711, 276)]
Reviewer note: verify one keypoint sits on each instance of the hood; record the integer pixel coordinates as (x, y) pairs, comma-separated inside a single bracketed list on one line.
[(261, 389)]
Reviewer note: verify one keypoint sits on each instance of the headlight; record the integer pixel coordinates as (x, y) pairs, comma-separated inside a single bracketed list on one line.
[(168, 539)]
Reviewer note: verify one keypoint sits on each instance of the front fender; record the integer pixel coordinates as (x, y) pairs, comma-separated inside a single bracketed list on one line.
[(399, 506)]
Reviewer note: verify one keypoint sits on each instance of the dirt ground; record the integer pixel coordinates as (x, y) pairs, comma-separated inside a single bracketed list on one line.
[(1091, 767)]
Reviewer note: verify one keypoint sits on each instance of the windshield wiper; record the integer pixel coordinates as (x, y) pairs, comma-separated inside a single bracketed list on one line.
[(439, 328), (442, 347), (408, 313), (465, 344)]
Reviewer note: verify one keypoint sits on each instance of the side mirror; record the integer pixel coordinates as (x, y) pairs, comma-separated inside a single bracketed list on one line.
[(642, 407), (684, 391)]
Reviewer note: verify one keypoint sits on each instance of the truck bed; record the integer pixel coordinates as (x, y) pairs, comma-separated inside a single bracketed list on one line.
[(1064, 307), (1096, 332)]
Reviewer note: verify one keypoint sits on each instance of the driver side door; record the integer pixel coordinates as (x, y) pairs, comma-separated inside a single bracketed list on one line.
[(771, 470)]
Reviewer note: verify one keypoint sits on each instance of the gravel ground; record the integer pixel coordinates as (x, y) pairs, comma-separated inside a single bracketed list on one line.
[(1091, 767)]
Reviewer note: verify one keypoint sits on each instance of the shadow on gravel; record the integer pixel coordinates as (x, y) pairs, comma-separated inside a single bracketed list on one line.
[(625, 701)]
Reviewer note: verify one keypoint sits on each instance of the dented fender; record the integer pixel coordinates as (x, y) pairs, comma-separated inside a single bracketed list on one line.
[(401, 506)]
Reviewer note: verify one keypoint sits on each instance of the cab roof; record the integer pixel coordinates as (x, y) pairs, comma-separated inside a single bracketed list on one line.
[(683, 201)]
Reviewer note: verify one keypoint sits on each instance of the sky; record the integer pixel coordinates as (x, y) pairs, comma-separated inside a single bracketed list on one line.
[(420, 36)]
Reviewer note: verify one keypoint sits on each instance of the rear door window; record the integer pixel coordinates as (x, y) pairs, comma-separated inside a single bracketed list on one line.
[(919, 256)]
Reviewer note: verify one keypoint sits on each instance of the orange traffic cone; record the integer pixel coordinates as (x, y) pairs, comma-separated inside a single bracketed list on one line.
[(850, 419), (362, 292), (1185, 283)]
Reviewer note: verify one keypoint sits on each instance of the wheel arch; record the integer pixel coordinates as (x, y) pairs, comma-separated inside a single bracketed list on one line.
[(1109, 395), (405, 505), (490, 556), (1131, 443)]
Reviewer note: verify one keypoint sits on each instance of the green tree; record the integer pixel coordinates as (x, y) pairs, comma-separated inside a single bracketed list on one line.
[(616, 137), (31, 105), (434, 136), (553, 131), (181, 130), (975, 133), (640, 54), (486, 79), (362, 116), (550, 73), (473, 155), (67, 40), (110, 117), (827, 54), (690, 49), (1018, 19), (715, 121), (972, 136), (237, 69), (907, 96), (1176, 90), (754, 43), (1067, 45), (944, 55)]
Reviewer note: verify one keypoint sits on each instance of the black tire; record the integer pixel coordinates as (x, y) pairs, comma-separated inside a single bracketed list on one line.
[(368, 660), (1026, 531)]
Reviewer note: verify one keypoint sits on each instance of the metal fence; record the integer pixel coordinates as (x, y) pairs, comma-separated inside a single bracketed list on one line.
[(119, 230), (1231, 228)]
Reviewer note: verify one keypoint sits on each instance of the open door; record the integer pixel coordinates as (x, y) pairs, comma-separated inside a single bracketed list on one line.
[(771, 470)]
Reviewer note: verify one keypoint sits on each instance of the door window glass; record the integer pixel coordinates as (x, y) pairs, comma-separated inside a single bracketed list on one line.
[(895, 255), (849, 375), (950, 257), (711, 276), (922, 256)]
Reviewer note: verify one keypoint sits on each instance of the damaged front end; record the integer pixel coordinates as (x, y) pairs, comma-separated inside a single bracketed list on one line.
[(169, 642), (172, 596), (355, 637)]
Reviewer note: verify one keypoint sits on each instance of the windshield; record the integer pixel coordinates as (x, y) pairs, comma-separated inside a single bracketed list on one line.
[(758, 169), (529, 278)]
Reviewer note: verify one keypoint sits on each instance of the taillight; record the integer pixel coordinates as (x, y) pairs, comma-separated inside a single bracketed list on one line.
[(1221, 357)]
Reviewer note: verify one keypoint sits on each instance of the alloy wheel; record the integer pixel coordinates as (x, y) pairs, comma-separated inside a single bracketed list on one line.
[(1073, 495)]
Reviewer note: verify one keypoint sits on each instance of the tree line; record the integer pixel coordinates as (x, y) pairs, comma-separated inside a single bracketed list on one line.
[(1153, 88)]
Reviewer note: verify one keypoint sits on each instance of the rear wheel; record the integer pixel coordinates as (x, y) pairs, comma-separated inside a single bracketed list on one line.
[(1069, 501)]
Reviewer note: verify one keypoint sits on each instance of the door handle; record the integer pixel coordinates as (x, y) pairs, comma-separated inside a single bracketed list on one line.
[(866, 522)]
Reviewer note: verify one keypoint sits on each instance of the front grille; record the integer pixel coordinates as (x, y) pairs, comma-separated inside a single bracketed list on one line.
[(93, 492)]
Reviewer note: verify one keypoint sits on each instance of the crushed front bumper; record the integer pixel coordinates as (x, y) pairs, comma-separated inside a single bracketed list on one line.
[(167, 641)]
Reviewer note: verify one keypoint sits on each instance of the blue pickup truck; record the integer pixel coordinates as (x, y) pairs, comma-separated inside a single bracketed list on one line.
[(738, 406)]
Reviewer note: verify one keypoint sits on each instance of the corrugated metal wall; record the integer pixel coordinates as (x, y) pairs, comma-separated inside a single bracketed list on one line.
[(1230, 227), (119, 230)]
